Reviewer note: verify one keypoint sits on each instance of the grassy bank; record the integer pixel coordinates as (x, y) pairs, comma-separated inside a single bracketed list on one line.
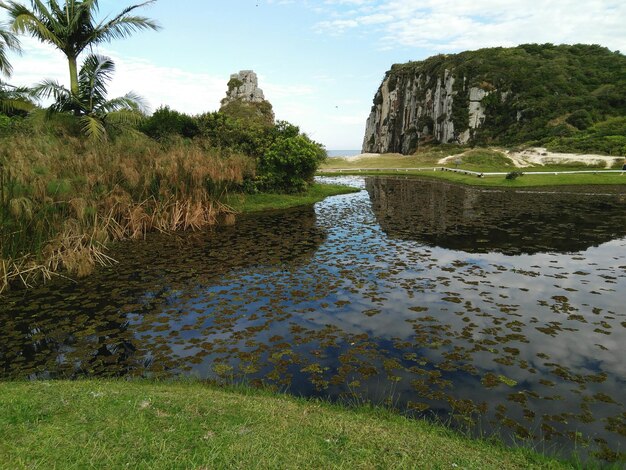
[(526, 181), (478, 160), (62, 200), (272, 201), (99, 424)]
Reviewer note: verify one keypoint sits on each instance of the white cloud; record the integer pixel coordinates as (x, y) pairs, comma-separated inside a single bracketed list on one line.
[(195, 93), (452, 25)]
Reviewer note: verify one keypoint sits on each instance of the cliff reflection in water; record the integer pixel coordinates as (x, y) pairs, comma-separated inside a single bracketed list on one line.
[(478, 220), (90, 328)]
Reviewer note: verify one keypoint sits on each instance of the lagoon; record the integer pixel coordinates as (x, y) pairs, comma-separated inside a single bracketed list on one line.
[(500, 312)]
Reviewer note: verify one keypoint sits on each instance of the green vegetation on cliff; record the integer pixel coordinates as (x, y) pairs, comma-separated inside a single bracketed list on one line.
[(561, 96)]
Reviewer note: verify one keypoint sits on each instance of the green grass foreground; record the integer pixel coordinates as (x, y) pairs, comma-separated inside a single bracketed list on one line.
[(272, 201), (115, 424)]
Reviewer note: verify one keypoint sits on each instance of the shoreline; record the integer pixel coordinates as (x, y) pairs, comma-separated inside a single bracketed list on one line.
[(20, 274)]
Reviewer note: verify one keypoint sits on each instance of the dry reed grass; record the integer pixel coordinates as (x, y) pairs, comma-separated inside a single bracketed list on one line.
[(63, 200)]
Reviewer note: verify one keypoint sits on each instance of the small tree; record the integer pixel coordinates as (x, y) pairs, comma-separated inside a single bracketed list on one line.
[(291, 160), (90, 103)]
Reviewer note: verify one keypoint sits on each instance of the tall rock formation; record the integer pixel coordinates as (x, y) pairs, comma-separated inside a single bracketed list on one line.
[(245, 100), (244, 86), (498, 95)]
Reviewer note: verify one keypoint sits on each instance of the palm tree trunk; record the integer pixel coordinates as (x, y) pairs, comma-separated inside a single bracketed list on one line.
[(73, 75)]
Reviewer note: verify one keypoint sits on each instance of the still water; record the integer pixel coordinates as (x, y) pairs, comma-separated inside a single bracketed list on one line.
[(496, 311)]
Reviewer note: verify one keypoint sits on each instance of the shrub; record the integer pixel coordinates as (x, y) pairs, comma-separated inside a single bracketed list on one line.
[(165, 123), (580, 119), (514, 175), (290, 162)]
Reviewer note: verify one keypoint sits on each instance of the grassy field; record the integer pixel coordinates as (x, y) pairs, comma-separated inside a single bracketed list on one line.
[(479, 160), (525, 181), (98, 424), (272, 201)]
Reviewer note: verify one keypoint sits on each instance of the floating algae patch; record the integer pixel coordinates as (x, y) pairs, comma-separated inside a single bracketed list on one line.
[(493, 312)]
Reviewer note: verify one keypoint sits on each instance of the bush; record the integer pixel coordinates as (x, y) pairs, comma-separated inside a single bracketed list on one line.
[(580, 119), (165, 123), (513, 175), (290, 162)]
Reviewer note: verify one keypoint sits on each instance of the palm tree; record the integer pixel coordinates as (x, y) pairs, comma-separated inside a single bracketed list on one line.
[(8, 41), (73, 27), (90, 103)]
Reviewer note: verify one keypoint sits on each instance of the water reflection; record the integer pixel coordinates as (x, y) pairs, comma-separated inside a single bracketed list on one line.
[(479, 220), (331, 302)]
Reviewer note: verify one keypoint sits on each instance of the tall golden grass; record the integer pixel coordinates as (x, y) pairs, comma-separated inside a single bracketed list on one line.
[(62, 200)]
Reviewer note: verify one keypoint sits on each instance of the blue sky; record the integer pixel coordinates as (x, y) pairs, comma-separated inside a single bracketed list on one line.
[(319, 62)]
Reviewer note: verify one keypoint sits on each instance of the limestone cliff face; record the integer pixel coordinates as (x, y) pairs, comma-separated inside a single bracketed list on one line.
[(498, 96), (419, 106)]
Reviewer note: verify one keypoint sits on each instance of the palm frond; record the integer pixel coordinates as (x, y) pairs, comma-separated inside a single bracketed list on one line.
[(39, 26), (15, 104), (64, 101), (123, 28), (124, 118), (93, 79), (8, 41), (50, 88), (128, 102), (93, 128), (14, 98)]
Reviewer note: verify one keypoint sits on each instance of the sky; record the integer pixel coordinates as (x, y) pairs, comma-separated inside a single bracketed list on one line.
[(319, 62)]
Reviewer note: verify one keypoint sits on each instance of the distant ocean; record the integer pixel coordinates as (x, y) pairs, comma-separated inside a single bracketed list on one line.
[(342, 153)]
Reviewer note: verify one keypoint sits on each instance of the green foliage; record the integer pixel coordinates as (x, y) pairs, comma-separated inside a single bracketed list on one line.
[(514, 175), (290, 161), (95, 113), (534, 88), (5, 123), (580, 119), (286, 159), (221, 131), (15, 101), (608, 137), (234, 83), (166, 123), (254, 114)]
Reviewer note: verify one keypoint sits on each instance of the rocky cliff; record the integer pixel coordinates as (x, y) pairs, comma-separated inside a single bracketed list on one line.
[(498, 95), (245, 100), (244, 86)]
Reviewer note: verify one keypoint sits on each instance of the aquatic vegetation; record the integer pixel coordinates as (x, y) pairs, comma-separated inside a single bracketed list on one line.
[(352, 302)]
